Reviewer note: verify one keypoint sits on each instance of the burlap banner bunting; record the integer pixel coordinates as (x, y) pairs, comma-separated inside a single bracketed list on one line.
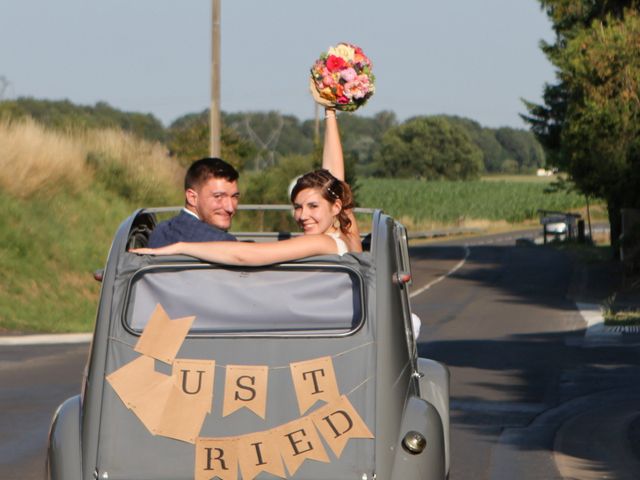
[(176, 405), (172, 406), (245, 386), (163, 337), (293, 443), (314, 380)]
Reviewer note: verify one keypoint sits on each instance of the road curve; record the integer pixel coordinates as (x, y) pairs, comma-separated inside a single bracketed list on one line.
[(529, 395)]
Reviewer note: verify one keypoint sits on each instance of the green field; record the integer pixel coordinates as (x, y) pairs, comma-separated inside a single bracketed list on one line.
[(445, 202)]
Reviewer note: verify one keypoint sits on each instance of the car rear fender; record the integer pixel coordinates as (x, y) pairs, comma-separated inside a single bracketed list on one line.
[(434, 388), (64, 460), (422, 417)]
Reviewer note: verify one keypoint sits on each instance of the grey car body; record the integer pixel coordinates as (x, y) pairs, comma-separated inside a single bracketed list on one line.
[(354, 308)]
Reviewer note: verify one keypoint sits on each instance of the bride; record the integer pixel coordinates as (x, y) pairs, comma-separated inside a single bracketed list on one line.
[(323, 209)]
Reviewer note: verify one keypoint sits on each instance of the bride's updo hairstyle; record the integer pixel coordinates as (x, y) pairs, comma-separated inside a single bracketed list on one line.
[(331, 190)]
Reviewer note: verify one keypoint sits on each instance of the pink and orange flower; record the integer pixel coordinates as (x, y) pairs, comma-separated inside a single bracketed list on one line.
[(343, 76)]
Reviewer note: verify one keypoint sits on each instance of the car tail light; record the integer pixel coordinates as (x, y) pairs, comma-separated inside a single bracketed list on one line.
[(402, 278), (98, 275)]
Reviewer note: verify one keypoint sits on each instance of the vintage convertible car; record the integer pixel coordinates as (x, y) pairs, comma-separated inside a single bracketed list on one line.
[(305, 370)]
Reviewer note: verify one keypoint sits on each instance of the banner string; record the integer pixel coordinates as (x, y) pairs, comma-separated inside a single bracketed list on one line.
[(407, 365), (281, 367), (277, 367), (358, 386), (114, 339)]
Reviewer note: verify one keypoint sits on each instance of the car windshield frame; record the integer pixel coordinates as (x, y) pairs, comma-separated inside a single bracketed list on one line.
[(358, 298)]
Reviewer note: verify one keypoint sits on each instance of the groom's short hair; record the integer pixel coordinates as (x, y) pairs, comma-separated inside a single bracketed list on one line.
[(209, 167)]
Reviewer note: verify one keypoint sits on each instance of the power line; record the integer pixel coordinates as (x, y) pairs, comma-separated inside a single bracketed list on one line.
[(267, 146), (4, 85)]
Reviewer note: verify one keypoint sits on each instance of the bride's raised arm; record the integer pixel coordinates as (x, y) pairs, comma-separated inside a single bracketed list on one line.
[(332, 156), (333, 160)]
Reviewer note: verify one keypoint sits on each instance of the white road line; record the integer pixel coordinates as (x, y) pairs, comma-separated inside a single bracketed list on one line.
[(459, 265), (46, 339)]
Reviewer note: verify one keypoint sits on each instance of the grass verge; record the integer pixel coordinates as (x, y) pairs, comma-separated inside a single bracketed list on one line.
[(50, 249), (622, 318), (61, 200), (585, 252), (616, 315), (622, 307)]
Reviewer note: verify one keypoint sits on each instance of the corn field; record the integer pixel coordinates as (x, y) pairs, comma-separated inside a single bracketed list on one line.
[(447, 202)]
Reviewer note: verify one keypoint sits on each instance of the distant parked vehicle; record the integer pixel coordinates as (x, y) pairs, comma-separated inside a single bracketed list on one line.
[(333, 328), (557, 228), (559, 225)]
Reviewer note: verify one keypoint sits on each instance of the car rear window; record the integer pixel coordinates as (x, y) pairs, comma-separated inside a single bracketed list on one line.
[(297, 299)]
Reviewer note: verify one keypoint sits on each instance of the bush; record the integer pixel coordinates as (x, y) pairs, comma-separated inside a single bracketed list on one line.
[(34, 160), (270, 186)]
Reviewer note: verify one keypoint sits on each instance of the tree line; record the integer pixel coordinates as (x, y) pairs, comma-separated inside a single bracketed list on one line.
[(427, 147), (65, 115), (589, 122)]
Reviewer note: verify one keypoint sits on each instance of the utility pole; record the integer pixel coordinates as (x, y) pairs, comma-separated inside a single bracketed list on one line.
[(215, 146), (316, 127)]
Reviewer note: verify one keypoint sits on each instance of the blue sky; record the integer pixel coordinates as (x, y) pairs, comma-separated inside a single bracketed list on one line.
[(473, 58)]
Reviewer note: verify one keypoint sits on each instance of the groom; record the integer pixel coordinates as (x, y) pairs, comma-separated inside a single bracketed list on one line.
[(211, 199)]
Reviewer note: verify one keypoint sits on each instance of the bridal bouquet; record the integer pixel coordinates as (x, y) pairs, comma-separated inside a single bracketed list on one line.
[(342, 77)]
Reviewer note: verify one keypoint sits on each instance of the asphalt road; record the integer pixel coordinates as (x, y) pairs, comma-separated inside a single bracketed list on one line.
[(34, 380), (530, 399)]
